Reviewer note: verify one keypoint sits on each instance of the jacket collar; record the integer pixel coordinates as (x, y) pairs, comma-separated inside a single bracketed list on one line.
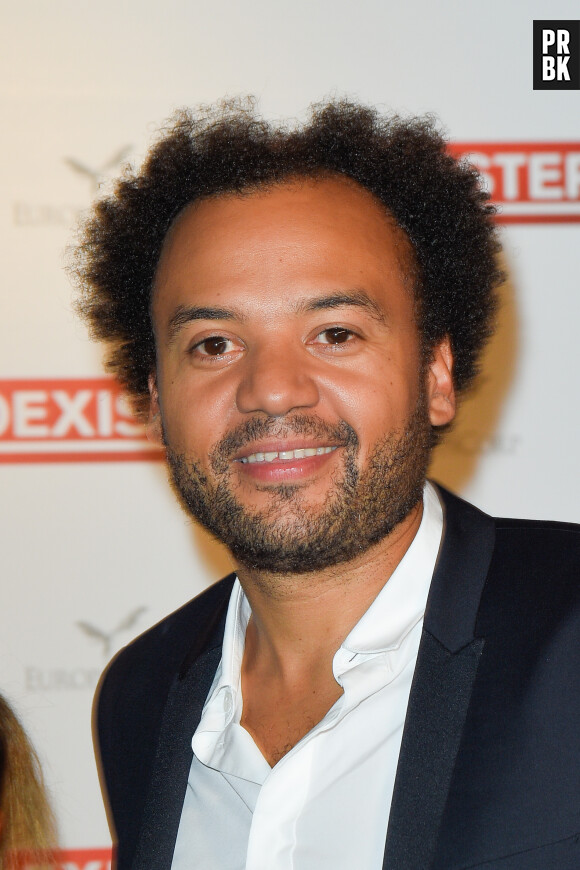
[(182, 712), (447, 664), (460, 573), (446, 667)]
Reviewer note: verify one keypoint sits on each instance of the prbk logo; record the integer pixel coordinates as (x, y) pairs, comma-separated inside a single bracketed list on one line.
[(68, 420), (531, 182), (556, 55)]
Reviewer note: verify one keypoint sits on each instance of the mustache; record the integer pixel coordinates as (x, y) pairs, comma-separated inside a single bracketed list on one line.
[(258, 428)]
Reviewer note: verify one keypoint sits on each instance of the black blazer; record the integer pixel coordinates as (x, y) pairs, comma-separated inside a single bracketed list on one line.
[(489, 769)]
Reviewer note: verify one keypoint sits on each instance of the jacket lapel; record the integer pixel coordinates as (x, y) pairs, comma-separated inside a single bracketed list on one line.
[(447, 663), (446, 668), (183, 708)]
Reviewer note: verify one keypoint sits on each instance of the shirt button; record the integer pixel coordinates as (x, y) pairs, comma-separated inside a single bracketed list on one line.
[(227, 703)]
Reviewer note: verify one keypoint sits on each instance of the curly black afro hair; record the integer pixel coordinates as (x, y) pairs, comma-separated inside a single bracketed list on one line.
[(436, 200)]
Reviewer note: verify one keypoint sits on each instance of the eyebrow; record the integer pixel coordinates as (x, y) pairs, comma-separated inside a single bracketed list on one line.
[(185, 314), (355, 299)]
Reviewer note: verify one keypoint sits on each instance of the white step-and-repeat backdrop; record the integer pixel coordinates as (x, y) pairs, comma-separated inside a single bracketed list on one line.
[(93, 547)]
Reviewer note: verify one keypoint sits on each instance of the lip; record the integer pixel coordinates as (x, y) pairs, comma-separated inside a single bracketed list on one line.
[(281, 446), (281, 469)]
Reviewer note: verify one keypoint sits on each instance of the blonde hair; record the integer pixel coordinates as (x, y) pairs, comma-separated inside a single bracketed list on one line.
[(27, 825)]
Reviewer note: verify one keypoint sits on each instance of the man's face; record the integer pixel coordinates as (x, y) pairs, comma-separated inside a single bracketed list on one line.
[(290, 389)]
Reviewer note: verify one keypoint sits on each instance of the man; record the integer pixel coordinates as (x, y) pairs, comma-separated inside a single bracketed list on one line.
[(388, 679)]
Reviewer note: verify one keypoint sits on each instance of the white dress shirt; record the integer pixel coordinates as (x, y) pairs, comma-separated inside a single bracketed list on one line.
[(325, 805)]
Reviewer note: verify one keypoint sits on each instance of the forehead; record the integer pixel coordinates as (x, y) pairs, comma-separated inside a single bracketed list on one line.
[(303, 231)]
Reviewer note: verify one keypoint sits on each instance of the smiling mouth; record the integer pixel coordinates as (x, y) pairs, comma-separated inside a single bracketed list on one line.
[(286, 455)]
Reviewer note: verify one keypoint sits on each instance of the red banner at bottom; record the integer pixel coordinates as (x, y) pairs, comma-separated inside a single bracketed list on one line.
[(68, 859)]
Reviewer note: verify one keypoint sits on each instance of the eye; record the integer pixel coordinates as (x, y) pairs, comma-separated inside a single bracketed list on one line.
[(335, 335), (215, 345)]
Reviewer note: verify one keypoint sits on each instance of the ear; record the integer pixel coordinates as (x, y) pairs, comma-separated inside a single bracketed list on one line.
[(154, 426), (440, 390)]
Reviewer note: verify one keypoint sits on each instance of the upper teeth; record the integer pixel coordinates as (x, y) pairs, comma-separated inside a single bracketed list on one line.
[(300, 453)]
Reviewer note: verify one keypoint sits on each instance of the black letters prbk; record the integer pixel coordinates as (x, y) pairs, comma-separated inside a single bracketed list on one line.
[(556, 55)]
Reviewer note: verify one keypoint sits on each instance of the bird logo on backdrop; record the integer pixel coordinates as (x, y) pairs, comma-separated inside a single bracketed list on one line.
[(98, 175), (107, 638)]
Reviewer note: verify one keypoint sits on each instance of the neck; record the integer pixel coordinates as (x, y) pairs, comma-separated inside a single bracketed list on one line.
[(300, 620)]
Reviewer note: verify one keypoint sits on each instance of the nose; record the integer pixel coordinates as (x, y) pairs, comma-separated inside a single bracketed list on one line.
[(276, 383)]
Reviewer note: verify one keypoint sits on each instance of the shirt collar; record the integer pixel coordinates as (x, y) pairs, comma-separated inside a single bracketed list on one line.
[(400, 604), (237, 619)]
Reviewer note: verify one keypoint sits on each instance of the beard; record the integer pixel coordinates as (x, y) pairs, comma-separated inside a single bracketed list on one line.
[(362, 507)]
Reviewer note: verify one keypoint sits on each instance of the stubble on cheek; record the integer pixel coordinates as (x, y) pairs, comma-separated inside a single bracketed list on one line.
[(291, 533)]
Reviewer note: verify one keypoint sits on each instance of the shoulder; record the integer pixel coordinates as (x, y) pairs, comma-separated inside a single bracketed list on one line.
[(567, 534), (533, 566), (533, 580), (132, 695), (135, 685), (174, 634), (539, 547), (159, 651), (518, 533)]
